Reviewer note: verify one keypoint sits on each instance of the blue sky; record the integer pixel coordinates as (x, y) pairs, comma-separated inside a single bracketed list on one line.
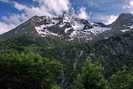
[(15, 12)]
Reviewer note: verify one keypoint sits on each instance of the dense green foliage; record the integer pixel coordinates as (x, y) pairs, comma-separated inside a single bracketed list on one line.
[(46, 63)]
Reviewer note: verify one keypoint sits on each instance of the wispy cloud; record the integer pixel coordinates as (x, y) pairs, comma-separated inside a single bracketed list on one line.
[(83, 14), (5, 27)]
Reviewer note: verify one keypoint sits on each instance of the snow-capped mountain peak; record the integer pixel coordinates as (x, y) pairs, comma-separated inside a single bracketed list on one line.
[(69, 27)]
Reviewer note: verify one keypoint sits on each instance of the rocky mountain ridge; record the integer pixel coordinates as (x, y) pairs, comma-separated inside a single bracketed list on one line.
[(71, 28)]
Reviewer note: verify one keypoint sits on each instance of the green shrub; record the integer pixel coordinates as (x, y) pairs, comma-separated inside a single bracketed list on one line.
[(123, 79)]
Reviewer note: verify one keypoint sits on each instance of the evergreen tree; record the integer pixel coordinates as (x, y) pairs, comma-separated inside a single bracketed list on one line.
[(91, 77)]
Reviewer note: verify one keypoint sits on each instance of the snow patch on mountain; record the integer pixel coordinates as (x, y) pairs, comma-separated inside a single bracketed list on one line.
[(67, 29), (98, 30), (131, 27), (77, 26), (125, 30), (62, 25)]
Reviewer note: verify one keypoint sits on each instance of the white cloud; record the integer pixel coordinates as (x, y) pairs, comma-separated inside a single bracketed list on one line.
[(46, 7), (31, 11), (5, 27), (14, 19), (131, 3), (83, 14), (110, 19), (56, 6), (20, 6), (104, 18), (128, 7)]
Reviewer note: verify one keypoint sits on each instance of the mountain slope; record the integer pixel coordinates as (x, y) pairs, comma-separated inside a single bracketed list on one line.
[(115, 53)]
